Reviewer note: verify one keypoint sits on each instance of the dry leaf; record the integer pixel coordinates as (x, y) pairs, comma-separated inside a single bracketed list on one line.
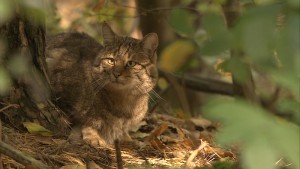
[(154, 141), (99, 5), (73, 167), (201, 122), (175, 55), (29, 166), (139, 135), (35, 128), (157, 132), (157, 144), (93, 165)]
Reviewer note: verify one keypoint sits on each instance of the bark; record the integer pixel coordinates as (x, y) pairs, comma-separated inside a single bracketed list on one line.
[(204, 84), (20, 157), (245, 89), (154, 18), (26, 39)]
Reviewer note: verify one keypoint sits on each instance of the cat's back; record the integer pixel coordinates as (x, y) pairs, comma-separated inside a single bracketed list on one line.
[(69, 58), (66, 49)]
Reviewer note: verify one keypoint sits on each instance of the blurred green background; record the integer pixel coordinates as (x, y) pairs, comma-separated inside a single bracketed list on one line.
[(195, 40)]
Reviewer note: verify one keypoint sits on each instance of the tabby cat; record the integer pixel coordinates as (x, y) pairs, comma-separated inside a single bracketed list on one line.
[(104, 89)]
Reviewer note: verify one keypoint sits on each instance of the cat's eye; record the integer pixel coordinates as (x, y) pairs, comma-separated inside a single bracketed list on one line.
[(110, 61), (131, 63)]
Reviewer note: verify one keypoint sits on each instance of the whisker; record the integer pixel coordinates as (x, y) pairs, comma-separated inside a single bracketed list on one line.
[(96, 82), (100, 86), (146, 93), (97, 86), (157, 95)]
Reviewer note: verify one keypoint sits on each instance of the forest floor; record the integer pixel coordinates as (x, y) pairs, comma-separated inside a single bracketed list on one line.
[(161, 141)]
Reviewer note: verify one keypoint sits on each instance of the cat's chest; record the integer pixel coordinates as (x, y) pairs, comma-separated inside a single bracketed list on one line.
[(128, 103), (128, 106)]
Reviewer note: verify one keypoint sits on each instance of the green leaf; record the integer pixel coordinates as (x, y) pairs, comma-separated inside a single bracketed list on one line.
[(294, 3), (6, 10), (254, 34), (287, 44), (182, 21), (5, 81), (176, 55), (214, 24), (262, 2), (35, 128), (263, 136), (259, 154), (34, 9), (237, 68), (18, 65), (218, 37), (215, 45), (290, 106), (286, 139), (286, 80)]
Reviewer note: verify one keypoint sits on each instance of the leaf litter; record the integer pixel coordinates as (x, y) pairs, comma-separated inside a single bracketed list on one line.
[(161, 141)]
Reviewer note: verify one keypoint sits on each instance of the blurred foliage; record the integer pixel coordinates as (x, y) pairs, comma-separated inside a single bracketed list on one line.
[(13, 64), (186, 25), (218, 37), (35, 128), (176, 54), (268, 34), (5, 81), (264, 137), (87, 16), (6, 8), (223, 164)]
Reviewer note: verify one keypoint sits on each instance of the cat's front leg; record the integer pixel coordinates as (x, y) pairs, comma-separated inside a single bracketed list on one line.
[(92, 137), (93, 131), (126, 137)]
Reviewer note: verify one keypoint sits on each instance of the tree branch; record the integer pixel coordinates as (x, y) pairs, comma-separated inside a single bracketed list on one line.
[(118, 154), (20, 157), (203, 84), (143, 11), (245, 89)]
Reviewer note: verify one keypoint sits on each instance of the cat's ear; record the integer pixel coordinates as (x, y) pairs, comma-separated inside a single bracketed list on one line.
[(150, 42), (107, 33)]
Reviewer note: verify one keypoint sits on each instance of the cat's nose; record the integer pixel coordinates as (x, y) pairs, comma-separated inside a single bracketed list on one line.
[(117, 74)]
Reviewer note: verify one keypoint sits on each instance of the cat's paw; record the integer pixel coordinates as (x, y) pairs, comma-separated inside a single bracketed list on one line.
[(92, 137), (125, 137), (75, 136)]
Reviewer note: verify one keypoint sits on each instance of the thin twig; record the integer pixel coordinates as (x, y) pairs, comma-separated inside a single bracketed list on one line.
[(20, 157), (1, 164), (203, 84), (9, 106), (118, 154), (144, 158), (154, 9), (195, 152), (154, 106), (144, 12), (180, 92)]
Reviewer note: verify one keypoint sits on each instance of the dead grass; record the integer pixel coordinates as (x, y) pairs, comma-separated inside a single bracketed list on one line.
[(161, 142)]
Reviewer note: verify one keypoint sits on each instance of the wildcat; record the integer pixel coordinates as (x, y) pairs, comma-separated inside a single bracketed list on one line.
[(105, 89)]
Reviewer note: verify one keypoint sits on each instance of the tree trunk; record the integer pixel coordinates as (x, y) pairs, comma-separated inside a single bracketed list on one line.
[(26, 40), (245, 89), (154, 18)]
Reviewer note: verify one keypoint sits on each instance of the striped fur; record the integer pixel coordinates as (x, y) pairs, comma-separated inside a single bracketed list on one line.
[(105, 89)]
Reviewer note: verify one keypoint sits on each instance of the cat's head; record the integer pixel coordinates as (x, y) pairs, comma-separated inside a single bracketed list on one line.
[(126, 63)]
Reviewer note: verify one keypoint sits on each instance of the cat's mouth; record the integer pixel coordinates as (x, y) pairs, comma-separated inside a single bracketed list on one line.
[(117, 82)]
